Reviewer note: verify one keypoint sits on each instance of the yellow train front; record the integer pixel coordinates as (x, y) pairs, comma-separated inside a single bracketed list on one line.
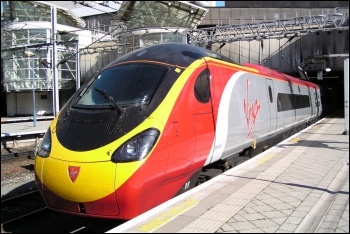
[(125, 141)]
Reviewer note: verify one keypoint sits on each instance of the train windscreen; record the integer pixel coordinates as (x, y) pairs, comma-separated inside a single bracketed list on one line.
[(124, 85)]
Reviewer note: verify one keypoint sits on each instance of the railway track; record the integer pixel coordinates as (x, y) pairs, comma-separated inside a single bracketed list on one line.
[(17, 162), (27, 213), (18, 207), (29, 154)]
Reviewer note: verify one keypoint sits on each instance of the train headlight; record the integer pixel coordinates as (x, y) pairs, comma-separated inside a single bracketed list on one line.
[(44, 148), (137, 148)]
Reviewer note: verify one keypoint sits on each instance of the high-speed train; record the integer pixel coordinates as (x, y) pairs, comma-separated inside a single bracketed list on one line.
[(151, 124)]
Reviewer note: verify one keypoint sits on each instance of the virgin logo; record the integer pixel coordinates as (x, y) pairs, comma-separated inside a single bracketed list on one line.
[(251, 111), (73, 173)]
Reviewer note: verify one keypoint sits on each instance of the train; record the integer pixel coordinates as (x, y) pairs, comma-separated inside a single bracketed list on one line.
[(161, 120)]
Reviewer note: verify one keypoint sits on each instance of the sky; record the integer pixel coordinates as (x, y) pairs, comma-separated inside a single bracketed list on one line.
[(220, 3)]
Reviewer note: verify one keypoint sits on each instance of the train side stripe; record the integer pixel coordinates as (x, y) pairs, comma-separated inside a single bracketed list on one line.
[(222, 120)]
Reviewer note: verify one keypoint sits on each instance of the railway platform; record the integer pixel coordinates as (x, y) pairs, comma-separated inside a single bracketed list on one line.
[(300, 185), (22, 132), (24, 126)]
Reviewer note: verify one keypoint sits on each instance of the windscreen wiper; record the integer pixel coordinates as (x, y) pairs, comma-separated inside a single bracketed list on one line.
[(110, 99)]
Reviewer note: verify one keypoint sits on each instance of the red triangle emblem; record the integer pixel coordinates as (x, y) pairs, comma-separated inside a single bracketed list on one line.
[(73, 173)]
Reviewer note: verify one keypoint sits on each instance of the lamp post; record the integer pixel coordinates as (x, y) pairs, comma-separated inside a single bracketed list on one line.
[(30, 54), (33, 89)]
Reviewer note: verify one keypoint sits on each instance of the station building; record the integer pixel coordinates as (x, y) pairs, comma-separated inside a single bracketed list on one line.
[(37, 79)]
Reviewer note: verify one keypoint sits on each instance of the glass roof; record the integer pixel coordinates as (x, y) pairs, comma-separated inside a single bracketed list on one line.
[(20, 11), (141, 14)]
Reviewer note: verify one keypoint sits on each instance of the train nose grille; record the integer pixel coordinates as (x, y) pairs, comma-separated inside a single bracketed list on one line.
[(113, 127)]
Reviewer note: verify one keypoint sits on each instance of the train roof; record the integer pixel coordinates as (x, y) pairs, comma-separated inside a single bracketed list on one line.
[(179, 54), (278, 75)]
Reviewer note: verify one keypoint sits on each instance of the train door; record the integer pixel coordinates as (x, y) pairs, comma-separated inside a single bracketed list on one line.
[(272, 105), (312, 104), (192, 134), (203, 121), (317, 103)]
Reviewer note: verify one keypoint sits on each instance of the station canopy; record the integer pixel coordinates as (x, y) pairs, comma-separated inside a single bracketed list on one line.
[(147, 14), (19, 11)]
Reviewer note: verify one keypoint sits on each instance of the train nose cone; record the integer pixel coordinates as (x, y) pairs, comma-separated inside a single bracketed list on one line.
[(79, 187)]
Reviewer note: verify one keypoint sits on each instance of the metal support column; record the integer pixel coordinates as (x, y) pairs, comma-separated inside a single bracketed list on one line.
[(33, 90), (346, 95), (55, 98), (77, 70)]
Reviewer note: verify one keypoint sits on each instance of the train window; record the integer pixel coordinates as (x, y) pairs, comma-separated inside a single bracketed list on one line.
[(286, 102), (292, 101), (270, 94), (124, 85), (279, 103), (202, 87)]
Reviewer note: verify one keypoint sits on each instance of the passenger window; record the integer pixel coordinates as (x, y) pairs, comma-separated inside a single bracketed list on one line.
[(201, 87), (270, 94)]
